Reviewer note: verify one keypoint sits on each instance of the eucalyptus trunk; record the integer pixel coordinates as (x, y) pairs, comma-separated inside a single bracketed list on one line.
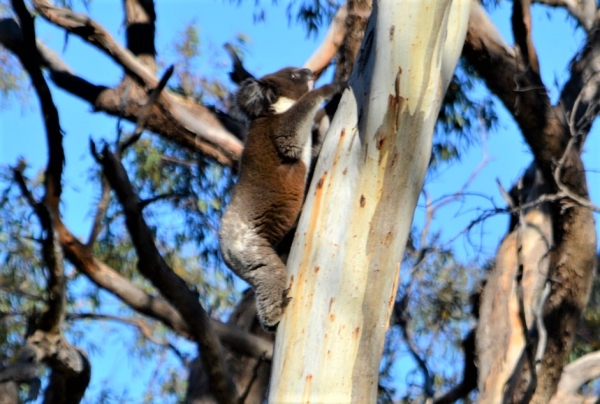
[(345, 261)]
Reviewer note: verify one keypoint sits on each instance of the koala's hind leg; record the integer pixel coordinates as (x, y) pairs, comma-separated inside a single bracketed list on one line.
[(271, 288), (253, 259)]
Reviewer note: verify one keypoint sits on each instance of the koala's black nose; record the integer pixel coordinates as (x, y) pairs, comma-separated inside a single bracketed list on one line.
[(307, 72)]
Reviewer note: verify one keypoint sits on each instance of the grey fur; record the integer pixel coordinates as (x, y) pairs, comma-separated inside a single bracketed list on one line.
[(253, 97)]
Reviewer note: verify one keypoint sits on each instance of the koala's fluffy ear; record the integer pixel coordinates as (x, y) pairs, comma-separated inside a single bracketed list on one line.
[(254, 97)]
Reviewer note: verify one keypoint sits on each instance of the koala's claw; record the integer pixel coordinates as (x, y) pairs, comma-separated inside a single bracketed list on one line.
[(286, 298), (270, 312)]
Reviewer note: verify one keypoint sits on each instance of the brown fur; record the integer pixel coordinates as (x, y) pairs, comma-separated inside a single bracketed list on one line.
[(270, 190)]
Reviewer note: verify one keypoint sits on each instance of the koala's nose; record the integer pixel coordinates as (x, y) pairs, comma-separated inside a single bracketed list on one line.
[(307, 72)]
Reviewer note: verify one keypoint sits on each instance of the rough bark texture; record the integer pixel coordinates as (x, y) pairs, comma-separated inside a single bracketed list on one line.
[(555, 135), (357, 15), (361, 200)]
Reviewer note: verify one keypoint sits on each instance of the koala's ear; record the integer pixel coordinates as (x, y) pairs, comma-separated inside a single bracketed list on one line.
[(254, 97)]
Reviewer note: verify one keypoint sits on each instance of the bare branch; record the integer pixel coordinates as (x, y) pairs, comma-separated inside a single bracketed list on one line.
[(152, 265), (70, 374), (402, 318), (142, 326), (140, 18), (193, 117), (575, 375), (583, 11), (29, 57), (469, 380), (322, 56), (153, 306), (253, 378), (161, 120)]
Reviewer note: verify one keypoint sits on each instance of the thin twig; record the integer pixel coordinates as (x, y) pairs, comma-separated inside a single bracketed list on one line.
[(566, 192), (142, 326)]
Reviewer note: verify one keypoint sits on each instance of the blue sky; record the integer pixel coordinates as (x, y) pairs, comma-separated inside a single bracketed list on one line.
[(274, 44)]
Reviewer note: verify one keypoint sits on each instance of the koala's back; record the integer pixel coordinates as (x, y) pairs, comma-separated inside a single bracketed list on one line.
[(270, 186)]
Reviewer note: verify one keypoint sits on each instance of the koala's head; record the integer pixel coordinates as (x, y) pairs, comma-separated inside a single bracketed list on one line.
[(275, 93)]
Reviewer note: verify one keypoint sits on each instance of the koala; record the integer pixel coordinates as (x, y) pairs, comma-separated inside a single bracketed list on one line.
[(268, 196)]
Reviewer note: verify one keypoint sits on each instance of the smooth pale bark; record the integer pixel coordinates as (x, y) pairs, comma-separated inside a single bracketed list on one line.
[(344, 264)]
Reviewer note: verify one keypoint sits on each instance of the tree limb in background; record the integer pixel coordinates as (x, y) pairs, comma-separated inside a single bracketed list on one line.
[(581, 94), (203, 124), (322, 56), (469, 380), (70, 368), (575, 375), (152, 265), (160, 121), (143, 116), (143, 327), (584, 11), (571, 256), (140, 18), (153, 306), (250, 374), (521, 26)]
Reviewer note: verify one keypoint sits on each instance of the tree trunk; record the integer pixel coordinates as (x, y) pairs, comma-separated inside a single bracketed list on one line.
[(346, 256)]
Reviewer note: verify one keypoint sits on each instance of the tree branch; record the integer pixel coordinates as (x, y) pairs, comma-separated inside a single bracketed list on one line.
[(583, 11), (70, 373), (572, 249), (521, 25), (152, 265), (142, 326), (145, 111), (192, 117), (161, 120), (140, 18), (574, 376), (322, 56), (100, 213)]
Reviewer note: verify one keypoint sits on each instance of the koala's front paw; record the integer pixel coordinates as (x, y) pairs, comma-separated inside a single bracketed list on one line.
[(339, 86), (271, 304)]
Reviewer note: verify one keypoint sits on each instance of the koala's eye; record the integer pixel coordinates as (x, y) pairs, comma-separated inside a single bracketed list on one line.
[(295, 76)]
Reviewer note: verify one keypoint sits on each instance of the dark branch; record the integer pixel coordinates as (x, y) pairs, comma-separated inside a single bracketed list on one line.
[(152, 265), (30, 58), (521, 25)]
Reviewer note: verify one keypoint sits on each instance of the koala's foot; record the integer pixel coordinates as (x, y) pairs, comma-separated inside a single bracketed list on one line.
[(271, 304)]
